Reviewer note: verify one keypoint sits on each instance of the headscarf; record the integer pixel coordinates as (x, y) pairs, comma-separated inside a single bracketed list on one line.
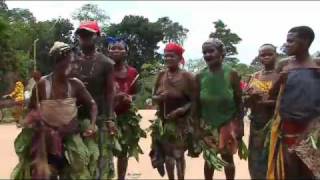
[(59, 48), (91, 26), (112, 40), (177, 49)]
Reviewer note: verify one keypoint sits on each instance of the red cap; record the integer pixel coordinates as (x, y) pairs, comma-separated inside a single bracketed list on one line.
[(177, 49), (91, 26)]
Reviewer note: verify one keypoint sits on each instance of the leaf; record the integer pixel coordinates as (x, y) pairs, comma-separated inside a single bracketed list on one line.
[(23, 142), (117, 145), (313, 142)]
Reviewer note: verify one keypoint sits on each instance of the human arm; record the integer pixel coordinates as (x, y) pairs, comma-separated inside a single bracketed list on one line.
[(156, 98), (83, 96), (237, 92)]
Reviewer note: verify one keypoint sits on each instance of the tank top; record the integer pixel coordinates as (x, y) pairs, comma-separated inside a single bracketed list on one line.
[(217, 97)]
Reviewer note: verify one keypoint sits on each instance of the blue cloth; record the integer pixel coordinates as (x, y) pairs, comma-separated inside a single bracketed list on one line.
[(301, 97)]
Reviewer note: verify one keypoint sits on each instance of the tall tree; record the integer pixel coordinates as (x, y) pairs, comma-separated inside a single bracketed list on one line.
[(142, 37), (48, 32), (229, 39), (172, 31), (91, 12), (3, 6)]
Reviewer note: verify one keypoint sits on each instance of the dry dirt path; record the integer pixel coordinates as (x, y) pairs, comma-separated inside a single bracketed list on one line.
[(136, 170)]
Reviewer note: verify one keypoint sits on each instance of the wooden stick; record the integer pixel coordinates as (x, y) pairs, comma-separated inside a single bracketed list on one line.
[(35, 67)]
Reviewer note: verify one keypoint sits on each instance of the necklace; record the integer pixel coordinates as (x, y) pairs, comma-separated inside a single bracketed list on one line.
[(267, 71)]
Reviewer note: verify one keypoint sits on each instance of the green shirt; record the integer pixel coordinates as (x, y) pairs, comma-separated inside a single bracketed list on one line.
[(217, 97)]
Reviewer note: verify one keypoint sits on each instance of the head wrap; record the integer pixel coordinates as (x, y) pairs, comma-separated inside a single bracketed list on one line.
[(112, 40), (177, 49), (218, 44), (59, 48), (91, 26)]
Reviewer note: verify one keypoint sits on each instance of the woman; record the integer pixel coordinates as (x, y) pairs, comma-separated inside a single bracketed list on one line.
[(125, 81), (50, 144), (219, 106), (262, 110), (173, 94)]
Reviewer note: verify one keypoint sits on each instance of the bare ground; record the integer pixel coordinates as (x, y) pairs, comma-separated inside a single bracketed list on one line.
[(136, 170)]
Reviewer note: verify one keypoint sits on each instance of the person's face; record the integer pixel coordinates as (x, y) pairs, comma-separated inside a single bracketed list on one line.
[(63, 66), (87, 39), (267, 55), (211, 54), (171, 59), (294, 44), (117, 51)]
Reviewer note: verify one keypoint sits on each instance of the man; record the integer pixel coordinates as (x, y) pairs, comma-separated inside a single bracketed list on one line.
[(96, 71), (297, 111)]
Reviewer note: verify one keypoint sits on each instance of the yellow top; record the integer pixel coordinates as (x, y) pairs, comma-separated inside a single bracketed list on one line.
[(18, 93)]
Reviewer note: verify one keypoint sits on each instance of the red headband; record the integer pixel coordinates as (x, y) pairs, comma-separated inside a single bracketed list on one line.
[(177, 49)]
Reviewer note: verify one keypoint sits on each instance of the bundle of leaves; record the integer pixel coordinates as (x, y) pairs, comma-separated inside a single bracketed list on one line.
[(22, 145), (211, 156), (110, 143), (129, 134)]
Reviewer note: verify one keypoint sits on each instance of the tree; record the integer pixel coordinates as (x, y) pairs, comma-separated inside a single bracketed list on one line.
[(172, 31), (21, 15), (3, 6), (142, 37), (229, 39), (244, 70), (48, 32), (195, 65), (91, 12)]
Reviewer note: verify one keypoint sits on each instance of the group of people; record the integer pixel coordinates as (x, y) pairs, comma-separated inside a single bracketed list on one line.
[(83, 114)]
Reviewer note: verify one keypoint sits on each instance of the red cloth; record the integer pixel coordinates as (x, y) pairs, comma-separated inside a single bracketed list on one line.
[(90, 26), (228, 136), (292, 128), (243, 85), (123, 85), (177, 49)]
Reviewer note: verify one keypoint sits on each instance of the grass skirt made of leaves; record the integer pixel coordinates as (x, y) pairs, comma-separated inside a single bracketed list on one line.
[(168, 139), (171, 135), (129, 134), (75, 151), (211, 146)]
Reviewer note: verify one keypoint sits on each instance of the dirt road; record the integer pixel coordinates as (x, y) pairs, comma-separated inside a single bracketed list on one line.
[(136, 170)]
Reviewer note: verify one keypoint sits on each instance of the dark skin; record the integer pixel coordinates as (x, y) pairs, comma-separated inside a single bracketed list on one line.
[(172, 62), (214, 58), (87, 44), (60, 88), (118, 53), (255, 99), (298, 49)]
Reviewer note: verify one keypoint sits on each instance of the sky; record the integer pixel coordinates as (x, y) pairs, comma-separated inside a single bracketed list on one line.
[(256, 22)]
